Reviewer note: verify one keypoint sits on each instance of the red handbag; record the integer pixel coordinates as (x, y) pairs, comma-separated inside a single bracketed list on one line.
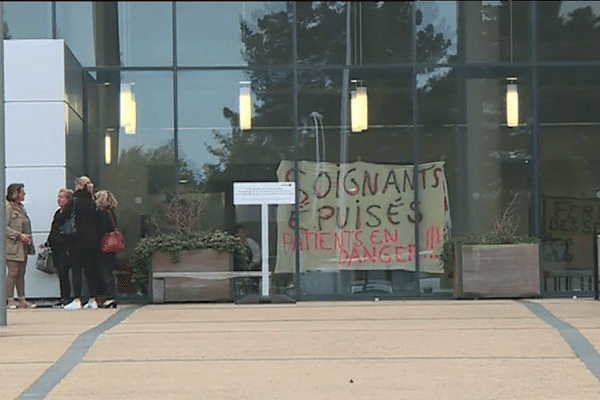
[(112, 242)]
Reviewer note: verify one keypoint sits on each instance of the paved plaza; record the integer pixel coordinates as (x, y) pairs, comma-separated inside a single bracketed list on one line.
[(411, 349)]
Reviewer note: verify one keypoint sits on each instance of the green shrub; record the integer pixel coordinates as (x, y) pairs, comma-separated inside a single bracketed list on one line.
[(504, 232), (174, 244)]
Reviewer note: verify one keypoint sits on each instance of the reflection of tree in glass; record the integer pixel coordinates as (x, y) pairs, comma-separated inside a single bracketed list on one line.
[(569, 96), (321, 32), (135, 168), (574, 37), (236, 145), (142, 194), (386, 37), (6, 34), (181, 212)]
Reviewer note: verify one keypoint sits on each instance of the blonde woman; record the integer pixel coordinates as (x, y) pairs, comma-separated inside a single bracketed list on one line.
[(107, 203), (59, 247), (84, 252), (18, 244)]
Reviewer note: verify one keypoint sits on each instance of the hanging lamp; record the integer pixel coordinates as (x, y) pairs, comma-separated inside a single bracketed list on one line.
[(128, 109), (108, 146), (359, 107), (512, 94), (512, 102), (359, 102), (245, 106)]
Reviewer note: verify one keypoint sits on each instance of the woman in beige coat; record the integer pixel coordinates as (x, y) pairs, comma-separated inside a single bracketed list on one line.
[(18, 244)]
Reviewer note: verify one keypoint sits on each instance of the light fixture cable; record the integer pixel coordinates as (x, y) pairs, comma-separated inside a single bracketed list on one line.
[(511, 29), (360, 38)]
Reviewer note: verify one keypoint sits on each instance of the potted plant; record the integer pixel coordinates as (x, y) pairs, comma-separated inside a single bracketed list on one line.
[(171, 265), (499, 263)]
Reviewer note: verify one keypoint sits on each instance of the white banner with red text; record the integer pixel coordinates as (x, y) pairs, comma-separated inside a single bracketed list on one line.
[(361, 216)]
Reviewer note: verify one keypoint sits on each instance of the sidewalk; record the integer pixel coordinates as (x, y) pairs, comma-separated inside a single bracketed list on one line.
[(426, 349)]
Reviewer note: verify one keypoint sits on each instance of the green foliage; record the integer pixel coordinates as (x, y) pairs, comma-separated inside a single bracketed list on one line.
[(504, 232), (174, 244)]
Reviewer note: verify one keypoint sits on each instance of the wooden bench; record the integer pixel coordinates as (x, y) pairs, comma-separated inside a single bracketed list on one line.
[(238, 278)]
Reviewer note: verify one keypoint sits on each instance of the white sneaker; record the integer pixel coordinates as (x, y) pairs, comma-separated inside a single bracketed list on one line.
[(91, 304), (74, 305)]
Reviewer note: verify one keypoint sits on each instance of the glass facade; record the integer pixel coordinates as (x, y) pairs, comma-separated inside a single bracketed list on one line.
[(437, 158), (145, 34)]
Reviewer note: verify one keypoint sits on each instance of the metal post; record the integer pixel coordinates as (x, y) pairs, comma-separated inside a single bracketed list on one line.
[(176, 165), (535, 125), (416, 151), (344, 123), (3, 319), (596, 259), (264, 211), (296, 150)]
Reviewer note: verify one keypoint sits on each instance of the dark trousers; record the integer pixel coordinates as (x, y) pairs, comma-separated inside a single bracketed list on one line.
[(108, 263), (61, 263), (86, 260)]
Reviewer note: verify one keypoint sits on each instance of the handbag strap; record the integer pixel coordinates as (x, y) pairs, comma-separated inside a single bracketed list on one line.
[(73, 210), (112, 219)]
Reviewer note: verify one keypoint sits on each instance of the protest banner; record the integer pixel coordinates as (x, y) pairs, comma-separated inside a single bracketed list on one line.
[(361, 216), (569, 225)]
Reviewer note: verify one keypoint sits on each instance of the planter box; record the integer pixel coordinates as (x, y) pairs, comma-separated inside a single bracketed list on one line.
[(202, 275), (497, 271)]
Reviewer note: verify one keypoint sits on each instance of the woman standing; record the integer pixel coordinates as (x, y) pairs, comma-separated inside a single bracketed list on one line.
[(18, 244), (85, 250), (107, 203), (59, 247)]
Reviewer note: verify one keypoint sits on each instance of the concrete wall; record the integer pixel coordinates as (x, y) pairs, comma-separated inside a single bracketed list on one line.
[(44, 135)]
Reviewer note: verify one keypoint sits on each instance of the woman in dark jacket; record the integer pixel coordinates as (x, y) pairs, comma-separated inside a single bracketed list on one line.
[(59, 247), (84, 250), (107, 203)]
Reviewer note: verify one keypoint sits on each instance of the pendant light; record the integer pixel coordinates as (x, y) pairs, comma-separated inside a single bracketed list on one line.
[(245, 100), (359, 107), (245, 106), (359, 102), (512, 94), (512, 102), (108, 147), (128, 109)]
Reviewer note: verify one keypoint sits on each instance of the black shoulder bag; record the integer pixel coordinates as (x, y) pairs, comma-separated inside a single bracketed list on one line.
[(68, 230)]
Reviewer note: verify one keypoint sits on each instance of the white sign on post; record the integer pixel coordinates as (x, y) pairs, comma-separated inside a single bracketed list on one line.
[(263, 194)]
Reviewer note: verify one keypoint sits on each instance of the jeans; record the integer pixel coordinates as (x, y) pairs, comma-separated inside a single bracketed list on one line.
[(86, 260), (61, 263)]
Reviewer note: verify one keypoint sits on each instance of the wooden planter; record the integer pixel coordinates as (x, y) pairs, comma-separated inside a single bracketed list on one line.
[(202, 275), (482, 271)]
